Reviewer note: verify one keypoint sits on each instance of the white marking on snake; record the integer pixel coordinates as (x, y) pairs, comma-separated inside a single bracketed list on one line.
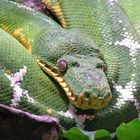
[(112, 2), (18, 93), (126, 93), (129, 42), (71, 114)]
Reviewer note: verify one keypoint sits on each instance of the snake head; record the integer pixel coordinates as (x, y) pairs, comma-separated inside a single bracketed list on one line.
[(76, 63), (86, 78)]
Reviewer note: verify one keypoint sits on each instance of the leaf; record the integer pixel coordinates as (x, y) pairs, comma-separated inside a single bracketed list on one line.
[(76, 133), (102, 135), (129, 131)]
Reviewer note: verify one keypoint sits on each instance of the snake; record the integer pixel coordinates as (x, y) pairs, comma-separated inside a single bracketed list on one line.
[(82, 68)]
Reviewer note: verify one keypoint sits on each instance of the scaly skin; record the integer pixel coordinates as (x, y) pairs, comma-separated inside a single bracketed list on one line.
[(131, 8), (47, 43), (85, 80), (107, 24), (76, 57)]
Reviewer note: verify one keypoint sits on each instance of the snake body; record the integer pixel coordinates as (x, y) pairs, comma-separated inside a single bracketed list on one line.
[(87, 76)]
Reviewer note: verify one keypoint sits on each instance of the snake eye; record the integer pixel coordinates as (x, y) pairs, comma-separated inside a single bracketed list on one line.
[(62, 65)]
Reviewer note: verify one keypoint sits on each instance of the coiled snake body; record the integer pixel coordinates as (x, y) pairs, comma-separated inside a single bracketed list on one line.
[(87, 76)]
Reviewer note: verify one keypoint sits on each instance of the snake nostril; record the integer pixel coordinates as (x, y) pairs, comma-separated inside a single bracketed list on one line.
[(87, 94)]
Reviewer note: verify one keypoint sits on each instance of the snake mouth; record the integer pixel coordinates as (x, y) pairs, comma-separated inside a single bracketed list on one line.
[(79, 100)]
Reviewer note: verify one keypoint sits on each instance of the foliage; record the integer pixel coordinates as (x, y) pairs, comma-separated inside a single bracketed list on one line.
[(129, 131)]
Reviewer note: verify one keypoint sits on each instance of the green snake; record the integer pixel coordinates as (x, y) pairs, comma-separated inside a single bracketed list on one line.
[(85, 72)]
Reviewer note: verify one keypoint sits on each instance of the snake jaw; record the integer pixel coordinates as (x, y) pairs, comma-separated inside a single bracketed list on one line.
[(95, 103)]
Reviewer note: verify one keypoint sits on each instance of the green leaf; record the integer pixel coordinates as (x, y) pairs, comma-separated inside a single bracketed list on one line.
[(78, 134), (102, 135), (129, 131)]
